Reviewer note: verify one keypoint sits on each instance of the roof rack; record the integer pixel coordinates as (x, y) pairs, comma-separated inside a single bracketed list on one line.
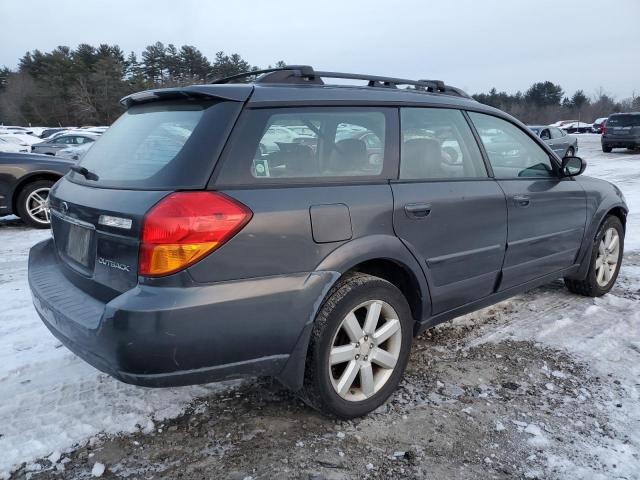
[(305, 74)]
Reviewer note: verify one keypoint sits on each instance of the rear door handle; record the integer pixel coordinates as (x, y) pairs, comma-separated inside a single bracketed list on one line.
[(521, 200), (417, 210)]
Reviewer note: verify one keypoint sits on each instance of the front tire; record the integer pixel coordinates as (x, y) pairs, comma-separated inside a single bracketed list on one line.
[(359, 347), (33, 205), (605, 262), (570, 152)]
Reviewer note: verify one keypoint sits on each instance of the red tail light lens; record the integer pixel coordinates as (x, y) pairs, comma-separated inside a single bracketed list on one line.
[(184, 227)]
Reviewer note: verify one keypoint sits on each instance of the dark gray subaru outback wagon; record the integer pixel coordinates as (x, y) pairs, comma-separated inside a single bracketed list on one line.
[(307, 231)]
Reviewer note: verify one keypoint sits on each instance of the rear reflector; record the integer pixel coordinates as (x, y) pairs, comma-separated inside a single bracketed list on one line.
[(184, 227)]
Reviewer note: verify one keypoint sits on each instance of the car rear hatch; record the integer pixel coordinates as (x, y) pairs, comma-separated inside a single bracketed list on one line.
[(168, 140), (623, 125)]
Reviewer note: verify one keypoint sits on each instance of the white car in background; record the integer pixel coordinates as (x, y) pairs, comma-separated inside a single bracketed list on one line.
[(14, 129), (21, 139), (75, 152), (9, 147)]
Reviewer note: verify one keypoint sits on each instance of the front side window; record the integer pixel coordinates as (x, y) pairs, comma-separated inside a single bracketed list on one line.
[(545, 134), (437, 143), (308, 143), (512, 153)]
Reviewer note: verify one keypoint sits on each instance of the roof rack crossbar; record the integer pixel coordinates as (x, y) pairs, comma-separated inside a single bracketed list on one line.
[(306, 74), (430, 85), (301, 71)]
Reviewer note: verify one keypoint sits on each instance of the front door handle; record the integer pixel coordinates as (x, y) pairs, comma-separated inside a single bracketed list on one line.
[(417, 210), (522, 200)]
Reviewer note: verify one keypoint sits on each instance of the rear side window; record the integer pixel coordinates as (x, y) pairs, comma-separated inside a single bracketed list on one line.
[(308, 144), (624, 121), (437, 143), (160, 145)]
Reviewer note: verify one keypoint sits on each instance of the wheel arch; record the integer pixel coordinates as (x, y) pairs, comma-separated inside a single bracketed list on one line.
[(613, 207), (31, 178), (384, 256)]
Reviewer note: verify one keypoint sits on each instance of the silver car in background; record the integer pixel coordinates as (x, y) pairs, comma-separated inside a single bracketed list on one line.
[(564, 145), (51, 146)]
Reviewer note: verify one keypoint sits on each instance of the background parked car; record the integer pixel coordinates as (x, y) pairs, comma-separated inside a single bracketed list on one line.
[(74, 152), (564, 145), (50, 147), (622, 130), (10, 147), (577, 127), (598, 125), (22, 139), (48, 132), (14, 129), (25, 182), (560, 123)]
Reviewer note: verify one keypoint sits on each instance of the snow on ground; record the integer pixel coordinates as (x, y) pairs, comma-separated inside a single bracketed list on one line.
[(51, 401)]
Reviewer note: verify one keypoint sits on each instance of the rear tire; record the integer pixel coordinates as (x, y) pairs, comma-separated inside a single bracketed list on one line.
[(606, 149), (605, 261), (359, 347), (32, 205)]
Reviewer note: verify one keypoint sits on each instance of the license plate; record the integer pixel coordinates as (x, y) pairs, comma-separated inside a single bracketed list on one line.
[(78, 241)]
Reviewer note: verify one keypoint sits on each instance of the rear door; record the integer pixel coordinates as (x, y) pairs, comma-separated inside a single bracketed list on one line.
[(547, 213), (447, 209)]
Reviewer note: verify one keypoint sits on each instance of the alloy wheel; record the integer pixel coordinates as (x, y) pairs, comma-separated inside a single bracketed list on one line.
[(608, 256), (365, 350), (37, 204)]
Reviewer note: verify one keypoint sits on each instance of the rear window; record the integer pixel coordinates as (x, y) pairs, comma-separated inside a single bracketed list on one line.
[(160, 145), (624, 121)]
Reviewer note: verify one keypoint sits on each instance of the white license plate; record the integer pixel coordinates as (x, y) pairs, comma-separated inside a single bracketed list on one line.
[(78, 241)]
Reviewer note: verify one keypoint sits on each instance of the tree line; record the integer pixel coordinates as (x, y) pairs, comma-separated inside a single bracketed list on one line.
[(82, 86), (546, 102)]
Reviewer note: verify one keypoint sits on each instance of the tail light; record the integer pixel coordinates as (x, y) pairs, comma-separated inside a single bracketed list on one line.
[(603, 129), (184, 227)]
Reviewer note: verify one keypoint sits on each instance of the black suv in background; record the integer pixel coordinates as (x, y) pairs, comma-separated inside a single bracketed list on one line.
[(621, 130), (184, 252)]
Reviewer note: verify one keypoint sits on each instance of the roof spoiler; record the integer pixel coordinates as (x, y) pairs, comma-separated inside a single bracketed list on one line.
[(235, 93)]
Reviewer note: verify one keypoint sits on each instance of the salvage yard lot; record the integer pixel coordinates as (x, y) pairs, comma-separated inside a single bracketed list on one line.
[(545, 385)]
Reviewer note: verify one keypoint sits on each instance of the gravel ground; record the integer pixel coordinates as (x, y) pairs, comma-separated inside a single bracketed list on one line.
[(489, 411)]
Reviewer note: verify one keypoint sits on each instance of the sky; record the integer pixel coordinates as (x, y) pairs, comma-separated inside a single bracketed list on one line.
[(474, 45)]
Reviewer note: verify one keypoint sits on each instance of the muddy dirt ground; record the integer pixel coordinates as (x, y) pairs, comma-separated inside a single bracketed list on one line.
[(491, 411)]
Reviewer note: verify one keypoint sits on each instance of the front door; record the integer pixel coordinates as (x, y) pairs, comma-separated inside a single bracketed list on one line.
[(547, 213), (447, 210)]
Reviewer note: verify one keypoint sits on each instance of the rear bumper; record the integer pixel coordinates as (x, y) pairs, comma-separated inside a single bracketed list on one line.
[(170, 336), (620, 141)]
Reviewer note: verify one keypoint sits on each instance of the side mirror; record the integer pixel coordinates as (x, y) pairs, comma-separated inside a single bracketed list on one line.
[(572, 166)]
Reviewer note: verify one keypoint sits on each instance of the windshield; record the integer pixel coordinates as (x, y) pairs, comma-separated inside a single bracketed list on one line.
[(160, 145), (624, 121)]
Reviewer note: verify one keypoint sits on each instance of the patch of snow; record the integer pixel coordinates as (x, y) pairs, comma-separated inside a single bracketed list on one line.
[(97, 470), (51, 399)]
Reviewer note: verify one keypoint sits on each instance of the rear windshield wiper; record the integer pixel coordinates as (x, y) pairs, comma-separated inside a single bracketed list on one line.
[(84, 172)]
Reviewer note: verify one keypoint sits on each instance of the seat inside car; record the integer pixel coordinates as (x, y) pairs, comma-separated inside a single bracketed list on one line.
[(349, 155), (422, 158)]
